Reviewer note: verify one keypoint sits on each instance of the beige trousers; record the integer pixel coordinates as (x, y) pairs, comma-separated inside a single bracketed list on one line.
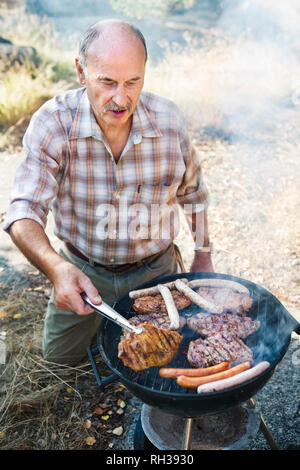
[(67, 335)]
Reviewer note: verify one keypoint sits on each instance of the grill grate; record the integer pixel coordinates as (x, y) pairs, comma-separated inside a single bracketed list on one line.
[(260, 342)]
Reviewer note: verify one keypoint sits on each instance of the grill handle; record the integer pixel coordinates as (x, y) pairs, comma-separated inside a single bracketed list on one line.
[(295, 325), (100, 381)]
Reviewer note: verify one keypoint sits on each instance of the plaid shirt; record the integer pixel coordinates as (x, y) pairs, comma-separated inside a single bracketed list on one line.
[(112, 213)]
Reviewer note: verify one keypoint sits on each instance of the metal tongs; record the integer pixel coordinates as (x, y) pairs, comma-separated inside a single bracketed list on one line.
[(108, 312)]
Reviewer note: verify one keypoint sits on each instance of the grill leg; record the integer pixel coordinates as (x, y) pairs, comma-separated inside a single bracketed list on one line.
[(187, 434), (268, 435), (265, 429), (101, 381)]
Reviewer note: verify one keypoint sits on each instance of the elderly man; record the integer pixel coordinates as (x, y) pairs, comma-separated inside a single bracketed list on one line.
[(112, 163)]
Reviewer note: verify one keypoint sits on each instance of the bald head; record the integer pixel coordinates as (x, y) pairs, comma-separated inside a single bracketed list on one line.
[(108, 31)]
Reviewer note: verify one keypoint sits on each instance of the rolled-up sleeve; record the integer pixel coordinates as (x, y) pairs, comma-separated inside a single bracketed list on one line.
[(35, 181)]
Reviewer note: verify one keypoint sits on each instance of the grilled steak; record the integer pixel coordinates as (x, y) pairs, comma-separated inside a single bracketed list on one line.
[(218, 348), (207, 325), (161, 320), (230, 300), (155, 303), (153, 347)]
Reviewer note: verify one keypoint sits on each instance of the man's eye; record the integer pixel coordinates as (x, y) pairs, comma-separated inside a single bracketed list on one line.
[(107, 82)]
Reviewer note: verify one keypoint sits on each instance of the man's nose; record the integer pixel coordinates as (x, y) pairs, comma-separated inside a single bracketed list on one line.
[(120, 97)]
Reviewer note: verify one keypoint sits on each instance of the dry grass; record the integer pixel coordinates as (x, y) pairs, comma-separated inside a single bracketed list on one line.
[(25, 85), (187, 76), (231, 84), (31, 30), (44, 405), (23, 90)]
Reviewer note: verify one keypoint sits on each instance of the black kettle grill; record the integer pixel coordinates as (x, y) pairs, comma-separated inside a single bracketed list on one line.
[(269, 343)]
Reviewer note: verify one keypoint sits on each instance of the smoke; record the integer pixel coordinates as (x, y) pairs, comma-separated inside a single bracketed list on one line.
[(257, 88), (259, 79), (257, 93), (262, 19)]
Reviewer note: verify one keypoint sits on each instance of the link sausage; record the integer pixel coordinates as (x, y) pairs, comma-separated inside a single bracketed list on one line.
[(216, 282), (134, 294), (236, 380), (172, 373), (196, 298), (194, 382), (170, 306)]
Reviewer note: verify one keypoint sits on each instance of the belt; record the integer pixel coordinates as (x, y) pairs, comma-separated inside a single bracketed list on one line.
[(120, 268)]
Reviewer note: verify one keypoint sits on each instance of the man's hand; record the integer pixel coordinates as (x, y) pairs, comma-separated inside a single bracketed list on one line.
[(69, 282), (202, 263), (67, 279)]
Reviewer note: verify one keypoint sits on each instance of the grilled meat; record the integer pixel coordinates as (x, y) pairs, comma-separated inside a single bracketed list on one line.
[(155, 303), (230, 300), (218, 348), (161, 320), (207, 325), (153, 347)]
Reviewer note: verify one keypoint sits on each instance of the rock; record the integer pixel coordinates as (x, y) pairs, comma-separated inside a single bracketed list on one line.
[(5, 41), (118, 431), (12, 53)]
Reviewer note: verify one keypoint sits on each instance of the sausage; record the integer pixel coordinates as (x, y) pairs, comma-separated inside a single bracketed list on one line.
[(134, 294), (194, 382), (170, 306), (196, 298), (172, 373), (236, 380), (215, 282)]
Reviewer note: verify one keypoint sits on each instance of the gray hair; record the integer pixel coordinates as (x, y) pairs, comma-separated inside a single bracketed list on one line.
[(94, 32)]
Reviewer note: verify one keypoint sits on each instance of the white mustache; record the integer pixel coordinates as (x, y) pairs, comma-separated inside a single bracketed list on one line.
[(115, 107)]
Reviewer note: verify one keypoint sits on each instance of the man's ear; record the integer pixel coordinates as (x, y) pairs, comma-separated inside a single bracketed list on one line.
[(80, 72)]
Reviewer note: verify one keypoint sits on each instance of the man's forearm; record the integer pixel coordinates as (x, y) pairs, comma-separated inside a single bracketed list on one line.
[(31, 239), (68, 280), (199, 227)]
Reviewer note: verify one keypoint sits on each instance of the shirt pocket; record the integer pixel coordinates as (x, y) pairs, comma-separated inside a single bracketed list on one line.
[(149, 194), (150, 212)]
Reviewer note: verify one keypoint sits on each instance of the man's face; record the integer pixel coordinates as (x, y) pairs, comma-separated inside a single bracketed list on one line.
[(114, 79)]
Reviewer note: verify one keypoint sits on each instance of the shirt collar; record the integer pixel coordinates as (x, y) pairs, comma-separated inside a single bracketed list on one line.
[(143, 123), (85, 124)]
